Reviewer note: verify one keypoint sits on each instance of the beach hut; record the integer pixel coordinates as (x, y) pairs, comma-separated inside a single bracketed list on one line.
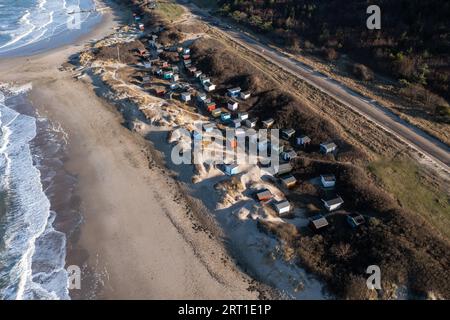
[(216, 113), (355, 220), (208, 86), (288, 181), (231, 169), (243, 116), (264, 195), (187, 63), (318, 222), (333, 203), (234, 92), (191, 70), (201, 96), (197, 73), (236, 123), (328, 180), (287, 133), (185, 96), (186, 51), (282, 207), (245, 95), (204, 79), (167, 75), (268, 123), (160, 91), (283, 168), (251, 123), (225, 117), (210, 106), (142, 52), (303, 140), (232, 105), (328, 147), (288, 155)]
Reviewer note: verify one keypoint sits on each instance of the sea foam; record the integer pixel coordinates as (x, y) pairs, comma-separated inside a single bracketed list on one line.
[(34, 22), (32, 253)]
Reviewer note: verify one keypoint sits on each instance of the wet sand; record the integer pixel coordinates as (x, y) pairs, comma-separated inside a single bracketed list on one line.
[(136, 239)]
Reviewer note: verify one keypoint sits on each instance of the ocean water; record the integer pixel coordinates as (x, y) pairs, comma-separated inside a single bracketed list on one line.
[(32, 251), (30, 26)]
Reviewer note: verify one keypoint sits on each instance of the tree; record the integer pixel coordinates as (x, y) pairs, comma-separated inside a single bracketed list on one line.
[(256, 21), (239, 16)]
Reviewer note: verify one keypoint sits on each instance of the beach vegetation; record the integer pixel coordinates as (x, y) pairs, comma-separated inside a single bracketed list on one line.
[(169, 10)]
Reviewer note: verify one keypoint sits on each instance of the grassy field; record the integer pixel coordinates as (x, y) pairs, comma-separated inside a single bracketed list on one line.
[(169, 10), (402, 179)]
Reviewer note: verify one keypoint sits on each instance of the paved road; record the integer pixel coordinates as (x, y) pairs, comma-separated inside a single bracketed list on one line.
[(409, 134)]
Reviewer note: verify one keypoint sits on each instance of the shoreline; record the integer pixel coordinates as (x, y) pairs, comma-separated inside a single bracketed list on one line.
[(63, 38), (133, 241), (33, 261)]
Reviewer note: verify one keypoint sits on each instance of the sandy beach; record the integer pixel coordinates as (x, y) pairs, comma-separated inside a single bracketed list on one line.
[(136, 239)]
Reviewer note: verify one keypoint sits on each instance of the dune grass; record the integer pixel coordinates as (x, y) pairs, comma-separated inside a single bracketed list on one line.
[(169, 10), (402, 178)]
